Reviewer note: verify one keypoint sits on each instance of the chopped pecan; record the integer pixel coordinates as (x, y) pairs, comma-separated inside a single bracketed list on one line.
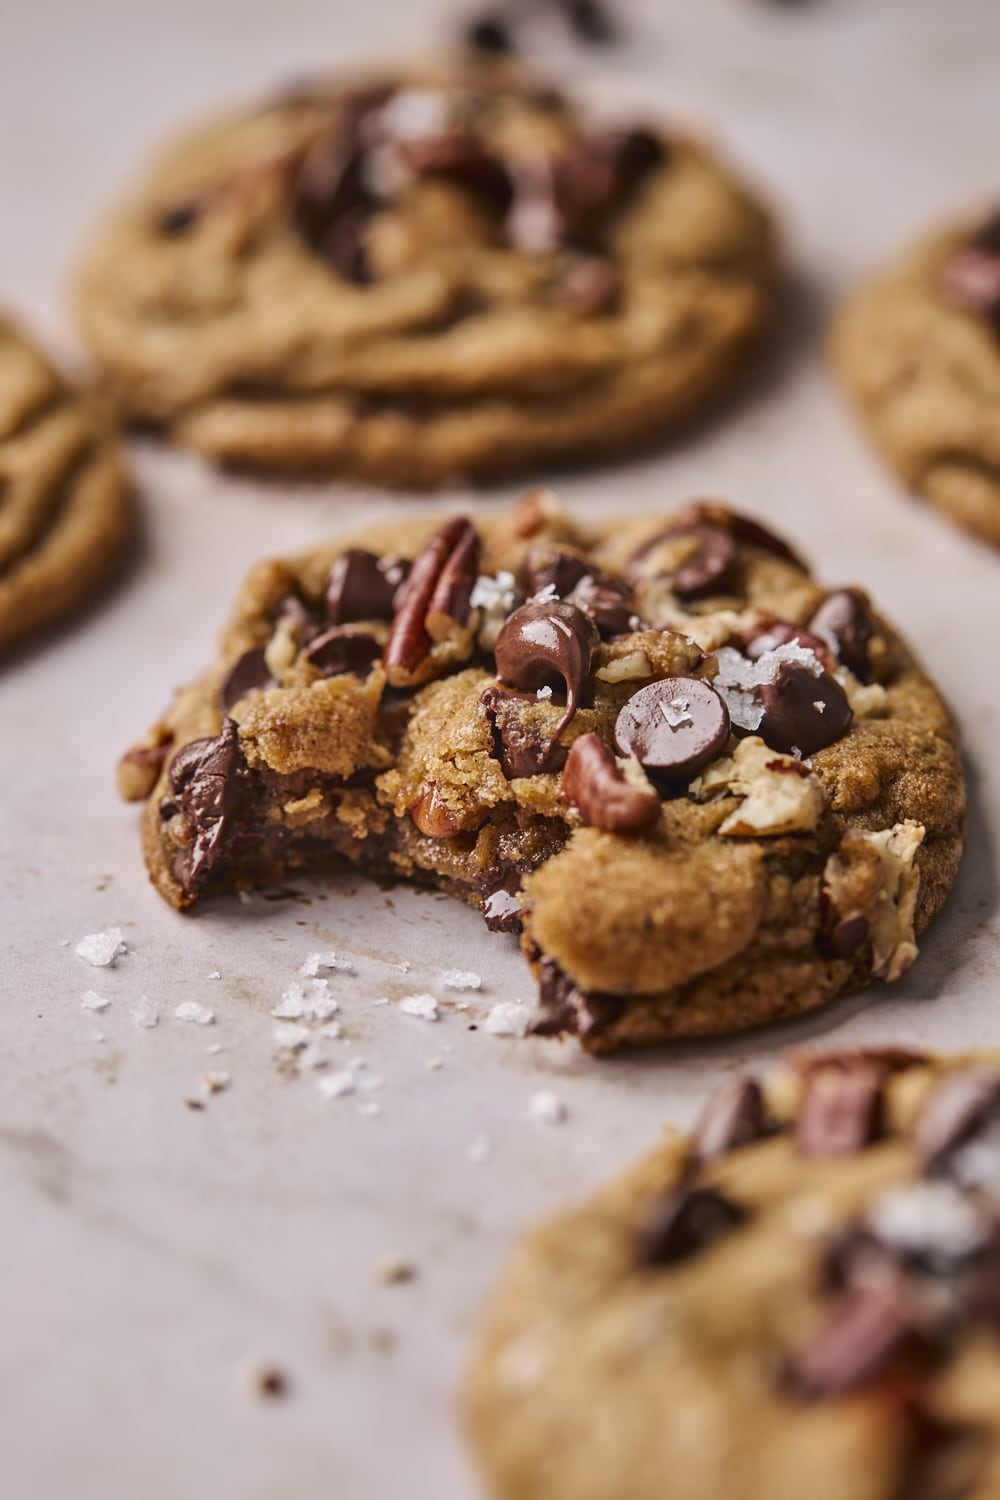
[(602, 792), (433, 605), (436, 819)]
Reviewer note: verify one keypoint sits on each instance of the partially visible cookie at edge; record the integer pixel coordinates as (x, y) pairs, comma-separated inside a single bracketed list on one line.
[(918, 349), (707, 791), (65, 501), (799, 1298), (422, 273)]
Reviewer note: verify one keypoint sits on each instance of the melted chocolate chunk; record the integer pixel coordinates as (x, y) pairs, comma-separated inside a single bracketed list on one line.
[(842, 1110), (363, 587), (332, 202), (960, 1106), (462, 158), (673, 727), (866, 1329), (802, 712), (342, 649), (843, 620), (707, 568), (566, 1010), (250, 674), (208, 781), (685, 1222), (734, 1116), (547, 644), (518, 744)]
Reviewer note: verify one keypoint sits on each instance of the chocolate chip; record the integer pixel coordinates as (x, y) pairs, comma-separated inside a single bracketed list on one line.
[(500, 900), (673, 727), (685, 1222), (250, 674), (600, 595), (590, 21), (596, 175), (343, 649), (843, 620), (547, 644), (867, 1327), (332, 202), (734, 1116), (801, 711), (179, 218), (957, 1109), (843, 939), (558, 570), (604, 795), (490, 34), (519, 744), (363, 586), (462, 159), (842, 1110), (566, 1010), (207, 781), (697, 560), (768, 635)]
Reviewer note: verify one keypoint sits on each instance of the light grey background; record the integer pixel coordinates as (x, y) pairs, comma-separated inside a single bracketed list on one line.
[(147, 1251)]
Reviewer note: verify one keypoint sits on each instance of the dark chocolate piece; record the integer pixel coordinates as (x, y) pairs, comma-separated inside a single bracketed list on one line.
[(734, 1116), (363, 586), (250, 674), (844, 621), (842, 1110), (685, 1222), (802, 712), (673, 727), (207, 781)]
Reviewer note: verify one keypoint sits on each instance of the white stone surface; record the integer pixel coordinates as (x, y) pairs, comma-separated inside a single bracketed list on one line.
[(149, 1250)]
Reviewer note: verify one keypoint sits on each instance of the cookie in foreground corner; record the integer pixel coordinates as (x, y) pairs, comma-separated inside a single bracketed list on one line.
[(66, 512), (799, 1298), (422, 273), (918, 350), (708, 791)]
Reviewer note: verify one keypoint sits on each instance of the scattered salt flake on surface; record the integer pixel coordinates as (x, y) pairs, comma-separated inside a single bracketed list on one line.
[(500, 904), (215, 974), (368, 1109), (382, 1000), (215, 1047), (819, 706), (461, 979), (332, 1029), (543, 694), (544, 595), (91, 1000), (479, 1149), (929, 1218), (101, 948), (190, 1010), (547, 1107), (497, 592), (404, 967), (337, 1085), (393, 1269), (290, 1037), (302, 1003), (215, 1082), (508, 1018), (145, 1013), (423, 1006), (329, 960), (676, 712)]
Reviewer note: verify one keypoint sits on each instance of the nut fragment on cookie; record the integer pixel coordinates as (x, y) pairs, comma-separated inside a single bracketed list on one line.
[(880, 908), (780, 794)]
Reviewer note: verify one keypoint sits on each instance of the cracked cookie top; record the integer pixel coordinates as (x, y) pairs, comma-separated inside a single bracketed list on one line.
[(442, 270)]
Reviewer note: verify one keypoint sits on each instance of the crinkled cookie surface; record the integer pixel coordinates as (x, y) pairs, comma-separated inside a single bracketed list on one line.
[(410, 276), (707, 791)]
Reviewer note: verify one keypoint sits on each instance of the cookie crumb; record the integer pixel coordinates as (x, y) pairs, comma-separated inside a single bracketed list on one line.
[(547, 1107), (215, 1083), (198, 1015), (394, 1269), (265, 1380), (508, 1018), (425, 1007), (100, 949)]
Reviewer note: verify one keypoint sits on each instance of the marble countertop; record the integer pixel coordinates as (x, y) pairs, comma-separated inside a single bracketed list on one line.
[(154, 1256)]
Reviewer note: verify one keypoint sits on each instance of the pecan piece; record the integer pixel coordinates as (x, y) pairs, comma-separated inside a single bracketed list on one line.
[(593, 781), (435, 819), (433, 606)]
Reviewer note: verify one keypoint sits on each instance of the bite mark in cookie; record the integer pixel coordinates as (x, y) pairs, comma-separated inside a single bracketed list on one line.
[(491, 710)]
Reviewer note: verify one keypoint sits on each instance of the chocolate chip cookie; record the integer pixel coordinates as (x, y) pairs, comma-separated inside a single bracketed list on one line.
[(707, 791), (798, 1299), (919, 350), (412, 276), (65, 510)]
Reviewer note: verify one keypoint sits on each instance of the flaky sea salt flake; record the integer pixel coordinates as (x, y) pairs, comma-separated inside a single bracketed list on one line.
[(91, 1000), (424, 1007), (101, 948), (508, 1018), (198, 1015)]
